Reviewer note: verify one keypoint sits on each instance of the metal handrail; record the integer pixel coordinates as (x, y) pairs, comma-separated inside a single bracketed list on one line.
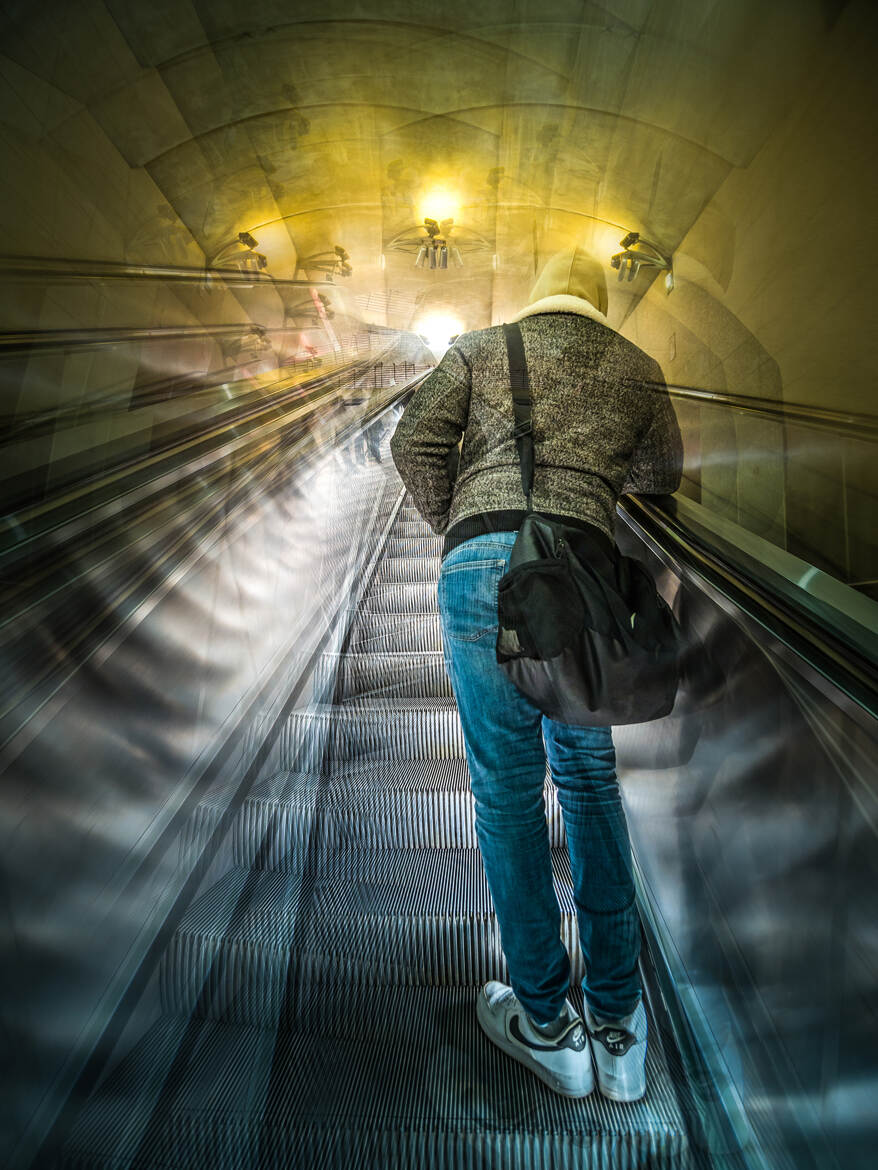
[(52, 340), (821, 651), (74, 271), (252, 421), (864, 426), (860, 424)]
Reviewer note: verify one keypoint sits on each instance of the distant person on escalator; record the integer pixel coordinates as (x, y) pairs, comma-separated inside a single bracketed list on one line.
[(603, 424)]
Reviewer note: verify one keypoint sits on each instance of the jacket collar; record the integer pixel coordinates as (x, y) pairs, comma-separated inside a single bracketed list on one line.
[(561, 303)]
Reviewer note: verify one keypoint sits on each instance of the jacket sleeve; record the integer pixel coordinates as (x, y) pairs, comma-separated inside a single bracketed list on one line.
[(657, 466), (428, 432)]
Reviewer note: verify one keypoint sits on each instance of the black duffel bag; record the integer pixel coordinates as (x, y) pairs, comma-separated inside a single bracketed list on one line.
[(583, 632)]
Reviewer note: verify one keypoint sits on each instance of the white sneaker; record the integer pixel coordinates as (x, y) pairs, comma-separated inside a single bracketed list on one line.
[(619, 1048), (563, 1061)]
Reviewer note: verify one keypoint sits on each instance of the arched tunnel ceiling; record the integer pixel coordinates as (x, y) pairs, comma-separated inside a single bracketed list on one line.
[(546, 122)]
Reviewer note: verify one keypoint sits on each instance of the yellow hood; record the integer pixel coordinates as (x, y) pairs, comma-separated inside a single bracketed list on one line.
[(570, 282)]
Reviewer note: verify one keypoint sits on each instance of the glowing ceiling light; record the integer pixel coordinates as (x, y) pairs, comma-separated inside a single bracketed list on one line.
[(437, 330), (439, 204)]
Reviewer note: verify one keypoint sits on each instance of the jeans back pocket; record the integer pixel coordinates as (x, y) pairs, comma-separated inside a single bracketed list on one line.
[(468, 598)]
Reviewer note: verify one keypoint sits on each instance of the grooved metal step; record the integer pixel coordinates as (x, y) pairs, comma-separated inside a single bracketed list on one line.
[(399, 598), (408, 513), (417, 804), (392, 633), (387, 675), (271, 828), (423, 804), (407, 569), (393, 916), (392, 1078), (414, 546), (408, 527), (370, 729)]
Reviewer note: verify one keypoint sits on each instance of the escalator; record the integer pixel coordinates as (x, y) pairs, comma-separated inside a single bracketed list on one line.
[(318, 1000), (312, 1004)]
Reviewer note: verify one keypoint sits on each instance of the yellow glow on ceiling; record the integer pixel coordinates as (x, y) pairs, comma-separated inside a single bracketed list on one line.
[(439, 203), (604, 243)]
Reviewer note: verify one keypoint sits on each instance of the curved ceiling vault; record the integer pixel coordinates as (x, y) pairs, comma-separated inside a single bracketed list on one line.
[(545, 121)]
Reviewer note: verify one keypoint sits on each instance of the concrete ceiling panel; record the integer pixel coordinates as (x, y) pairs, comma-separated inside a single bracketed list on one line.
[(300, 70), (721, 75), (159, 30), (30, 104), (198, 87), (656, 182), (226, 18), (82, 149), (141, 119), (56, 39)]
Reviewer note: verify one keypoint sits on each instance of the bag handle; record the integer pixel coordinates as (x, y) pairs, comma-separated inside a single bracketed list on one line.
[(522, 404)]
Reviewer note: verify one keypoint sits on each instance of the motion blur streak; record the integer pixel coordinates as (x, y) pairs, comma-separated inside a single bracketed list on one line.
[(143, 621)]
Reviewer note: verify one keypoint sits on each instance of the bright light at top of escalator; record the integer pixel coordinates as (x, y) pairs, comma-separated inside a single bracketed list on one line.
[(438, 329), (439, 203)]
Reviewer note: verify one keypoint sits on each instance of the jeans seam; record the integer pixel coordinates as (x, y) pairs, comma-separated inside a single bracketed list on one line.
[(488, 563)]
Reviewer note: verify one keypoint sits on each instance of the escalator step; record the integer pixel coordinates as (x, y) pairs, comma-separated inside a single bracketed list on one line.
[(369, 729), (277, 836), (389, 634), (320, 997), (407, 527), (385, 807), (368, 1085), (386, 675), (389, 804), (407, 569), (408, 513), (399, 597), (392, 916), (413, 546)]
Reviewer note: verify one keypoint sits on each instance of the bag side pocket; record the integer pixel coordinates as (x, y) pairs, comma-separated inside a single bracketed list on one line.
[(539, 610)]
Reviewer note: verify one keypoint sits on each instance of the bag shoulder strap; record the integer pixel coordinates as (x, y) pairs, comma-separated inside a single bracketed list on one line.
[(522, 404)]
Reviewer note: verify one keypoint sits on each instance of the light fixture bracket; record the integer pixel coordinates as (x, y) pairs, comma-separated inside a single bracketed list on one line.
[(431, 244), (650, 256)]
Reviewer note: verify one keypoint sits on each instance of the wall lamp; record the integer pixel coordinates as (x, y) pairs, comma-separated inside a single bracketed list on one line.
[(308, 312), (632, 262), (434, 249), (239, 254), (254, 341), (334, 263), (433, 252)]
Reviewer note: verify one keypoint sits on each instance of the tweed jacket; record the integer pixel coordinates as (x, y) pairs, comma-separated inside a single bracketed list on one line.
[(603, 424)]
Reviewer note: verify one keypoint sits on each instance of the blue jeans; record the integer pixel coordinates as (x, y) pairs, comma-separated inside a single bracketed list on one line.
[(507, 743)]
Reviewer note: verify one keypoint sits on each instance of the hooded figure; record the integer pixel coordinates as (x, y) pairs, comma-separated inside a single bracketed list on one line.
[(602, 424), (571, 282)]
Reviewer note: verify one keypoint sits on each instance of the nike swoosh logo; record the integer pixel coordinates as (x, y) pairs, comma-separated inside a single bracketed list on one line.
[(616, 1043), (516, 1033)]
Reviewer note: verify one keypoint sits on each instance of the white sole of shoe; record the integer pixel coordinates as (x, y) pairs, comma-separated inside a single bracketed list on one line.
[(621, 1098), (546, 1075)]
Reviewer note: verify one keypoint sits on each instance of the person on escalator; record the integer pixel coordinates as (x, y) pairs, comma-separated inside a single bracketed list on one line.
[(603, 424)]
